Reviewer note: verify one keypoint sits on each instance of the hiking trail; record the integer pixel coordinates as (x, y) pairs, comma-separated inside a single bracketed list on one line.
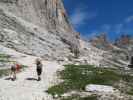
[(26, 87)]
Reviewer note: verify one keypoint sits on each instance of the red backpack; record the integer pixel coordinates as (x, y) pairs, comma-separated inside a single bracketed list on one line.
[(17, 67)]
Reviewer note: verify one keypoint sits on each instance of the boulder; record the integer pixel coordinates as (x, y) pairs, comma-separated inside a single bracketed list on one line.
[(100, 88)]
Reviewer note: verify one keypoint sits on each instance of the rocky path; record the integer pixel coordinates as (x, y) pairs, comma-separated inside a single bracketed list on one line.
[(26, 87)]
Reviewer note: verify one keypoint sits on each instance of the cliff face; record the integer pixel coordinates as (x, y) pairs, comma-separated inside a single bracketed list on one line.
[(45, 13), (37, 27), (125, 42)]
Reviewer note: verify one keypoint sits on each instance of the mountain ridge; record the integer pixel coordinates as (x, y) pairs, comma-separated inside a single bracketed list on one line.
[(118, 53)]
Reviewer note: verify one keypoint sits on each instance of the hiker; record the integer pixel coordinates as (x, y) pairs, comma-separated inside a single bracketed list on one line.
[(13, 71), (39, 68), (131, 60)]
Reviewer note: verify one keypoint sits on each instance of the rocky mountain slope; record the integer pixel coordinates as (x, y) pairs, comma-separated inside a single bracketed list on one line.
[(37, 27), (118, 53), (42, 28)]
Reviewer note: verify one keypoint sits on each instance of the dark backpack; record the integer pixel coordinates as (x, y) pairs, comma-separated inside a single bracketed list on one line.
[(39, 65)]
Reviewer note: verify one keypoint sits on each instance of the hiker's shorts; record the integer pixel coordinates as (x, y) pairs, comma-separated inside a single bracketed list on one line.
[(39, 71)]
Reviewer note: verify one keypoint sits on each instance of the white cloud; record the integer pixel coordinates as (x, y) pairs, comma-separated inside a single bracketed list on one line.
[(80, 16), (129, 19)]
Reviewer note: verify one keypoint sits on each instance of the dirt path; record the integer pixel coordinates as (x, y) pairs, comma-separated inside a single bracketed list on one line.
[(26, 87)]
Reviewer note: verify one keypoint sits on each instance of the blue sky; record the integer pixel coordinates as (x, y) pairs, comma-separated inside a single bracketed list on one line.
[(92, 17)]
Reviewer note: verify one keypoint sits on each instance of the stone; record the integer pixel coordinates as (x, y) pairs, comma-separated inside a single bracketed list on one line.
[(99, 88)]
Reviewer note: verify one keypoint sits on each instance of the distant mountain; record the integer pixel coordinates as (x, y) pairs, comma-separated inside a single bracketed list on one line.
[(125, 42), (117, 53), (101, 42)]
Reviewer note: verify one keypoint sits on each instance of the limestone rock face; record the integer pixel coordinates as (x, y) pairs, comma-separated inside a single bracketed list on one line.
[(90, 54), (37, 27)]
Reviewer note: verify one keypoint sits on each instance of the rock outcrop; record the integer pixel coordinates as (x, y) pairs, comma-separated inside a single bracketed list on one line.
[(101, 42), (37, 27), (89, 54), (116, 54)]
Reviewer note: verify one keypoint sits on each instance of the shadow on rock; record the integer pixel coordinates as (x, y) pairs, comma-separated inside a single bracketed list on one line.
[(31, 79), (9, 78)]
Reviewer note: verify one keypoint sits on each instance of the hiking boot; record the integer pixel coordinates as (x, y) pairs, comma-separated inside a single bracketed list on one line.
[(39, 79), (13, 79)]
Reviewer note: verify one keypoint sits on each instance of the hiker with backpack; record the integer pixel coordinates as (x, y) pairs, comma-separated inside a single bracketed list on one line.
[(39, 68), (13, 71), (15, 68)]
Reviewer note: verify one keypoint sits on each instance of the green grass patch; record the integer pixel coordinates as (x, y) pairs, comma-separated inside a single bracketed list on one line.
[(23, 66), (4, 58), (76, 77), (130, 92)]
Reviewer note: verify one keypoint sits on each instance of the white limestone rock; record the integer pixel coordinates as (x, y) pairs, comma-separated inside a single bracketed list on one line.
[(100, 88)]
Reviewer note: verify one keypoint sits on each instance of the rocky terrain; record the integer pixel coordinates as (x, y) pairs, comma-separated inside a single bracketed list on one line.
[(118, 53)]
